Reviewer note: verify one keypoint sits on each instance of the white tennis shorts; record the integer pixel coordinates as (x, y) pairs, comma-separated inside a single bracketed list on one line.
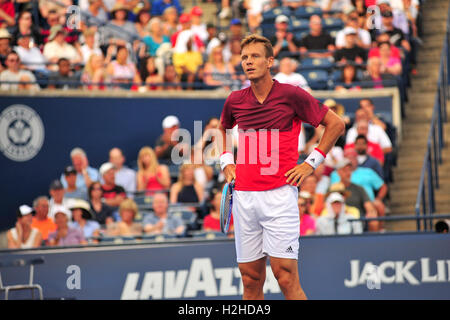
[(266, 223)]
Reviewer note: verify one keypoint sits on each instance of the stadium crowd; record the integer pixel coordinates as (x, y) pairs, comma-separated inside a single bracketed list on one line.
[(157, 45)]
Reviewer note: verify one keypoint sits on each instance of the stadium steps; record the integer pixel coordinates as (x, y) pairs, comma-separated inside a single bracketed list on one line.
[(416, 125)]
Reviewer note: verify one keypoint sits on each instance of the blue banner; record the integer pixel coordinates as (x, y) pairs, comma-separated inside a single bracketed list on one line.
[(395, 266)]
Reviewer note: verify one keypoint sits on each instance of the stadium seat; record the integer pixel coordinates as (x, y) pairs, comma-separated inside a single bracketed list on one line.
[(298, 25), (267, 29), (270, 15), (332, 24), (308, 64), (317, 79), (186, 215), (307, 12)]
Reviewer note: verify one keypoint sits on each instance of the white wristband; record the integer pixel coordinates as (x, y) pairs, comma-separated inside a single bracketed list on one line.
[(226, 159), (315, 158)]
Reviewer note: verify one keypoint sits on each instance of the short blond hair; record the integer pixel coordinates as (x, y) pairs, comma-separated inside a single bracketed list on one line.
[(254, 38), (128, 204)]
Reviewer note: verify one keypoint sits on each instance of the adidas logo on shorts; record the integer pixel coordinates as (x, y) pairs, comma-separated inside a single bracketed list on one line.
[(289, 250)]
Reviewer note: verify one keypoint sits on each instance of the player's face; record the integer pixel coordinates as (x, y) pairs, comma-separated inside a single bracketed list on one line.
[(254, 61)]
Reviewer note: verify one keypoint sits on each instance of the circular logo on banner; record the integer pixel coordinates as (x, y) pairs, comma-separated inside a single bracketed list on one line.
[(21, 132)]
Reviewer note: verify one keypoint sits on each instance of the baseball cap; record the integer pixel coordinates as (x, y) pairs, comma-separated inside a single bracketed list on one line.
[(56, 185), (282, 18), (343, 163), (350, 30), (304, 195), (185, 17), (335, 197), (24, 210), (196, 11), (235, 21), (60, 208), (69, 169), (106, 167), (170, 121)]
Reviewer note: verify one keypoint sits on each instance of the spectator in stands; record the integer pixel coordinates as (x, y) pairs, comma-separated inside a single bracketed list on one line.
[(221, 40), (65, 235), (235, 59), (154, 36), (125, 34), (390, 65), (218, 73), (127, 226), (316, 39), (83, 220), (90, 45), (14, 74), (198, 27), (375, 133), (348, 78), (186, 189), (374, 73), (102, 213), (124, 176), (187, 63), (363, 39), (161, 221), (181, 38), (254, 9), (384, 37), (57, 198), (149, 74), (23, 235), (211, 222), (283, 41), (151, 175), (98, 10), (5, 48), (58, 48), (31, 57), (122, 71), (236, 30), (142, 20), (158, 6), (94, 76), (442, 226), (373, 149), (164, 144), (112, 193), (25, 26), (225, 12), (85, 174), (294, 4), (72, 191), (41, 221), (310, 185), (52, 19), (351, 51), (170, 21), (336, 221), (7, 14), (397, 36), (288, 75), (365, 160), (368, 105), (64, 78), (307, 223), (397, 14), (357, 196), (171, 79)]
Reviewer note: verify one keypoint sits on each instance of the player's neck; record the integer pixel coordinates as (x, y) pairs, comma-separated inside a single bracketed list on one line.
[(262, 86)]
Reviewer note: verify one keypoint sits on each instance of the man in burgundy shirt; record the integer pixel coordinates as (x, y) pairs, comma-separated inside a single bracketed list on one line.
[(265, 211), (112, 193)]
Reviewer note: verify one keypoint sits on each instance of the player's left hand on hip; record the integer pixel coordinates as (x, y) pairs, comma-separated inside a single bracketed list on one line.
[(296, 175)]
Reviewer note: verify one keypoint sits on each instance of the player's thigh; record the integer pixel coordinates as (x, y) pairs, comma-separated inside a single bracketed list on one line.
[(254, 271), (282, 267)]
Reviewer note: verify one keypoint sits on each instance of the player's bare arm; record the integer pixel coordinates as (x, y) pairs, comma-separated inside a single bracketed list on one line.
[(334, 128), (230, 170)]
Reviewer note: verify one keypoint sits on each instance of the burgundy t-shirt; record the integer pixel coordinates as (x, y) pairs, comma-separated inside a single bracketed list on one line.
[(268, 132)]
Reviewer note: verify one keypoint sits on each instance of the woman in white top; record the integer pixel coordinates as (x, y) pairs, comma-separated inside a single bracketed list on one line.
[(23, 236)]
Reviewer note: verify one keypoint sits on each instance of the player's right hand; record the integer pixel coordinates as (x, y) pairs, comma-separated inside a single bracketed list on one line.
[(230, 172)]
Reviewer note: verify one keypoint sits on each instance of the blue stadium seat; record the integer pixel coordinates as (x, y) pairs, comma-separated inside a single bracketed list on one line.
[(306, 12), (299, 25), (332, 23), (186, 215), (307, 64), (298, 35), (270, 15), (317, 79), (268, 30)]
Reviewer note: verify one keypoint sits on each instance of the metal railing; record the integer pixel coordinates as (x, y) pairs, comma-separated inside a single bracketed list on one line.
[(429, 178)]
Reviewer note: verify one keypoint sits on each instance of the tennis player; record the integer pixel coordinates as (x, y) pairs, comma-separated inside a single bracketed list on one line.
[(265, 211)]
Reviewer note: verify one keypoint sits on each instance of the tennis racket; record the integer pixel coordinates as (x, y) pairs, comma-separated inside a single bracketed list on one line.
[(226, 204)]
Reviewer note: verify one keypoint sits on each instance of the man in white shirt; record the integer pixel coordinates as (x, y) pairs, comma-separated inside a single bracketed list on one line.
[(363, 36), (288, 75), (31, 57), (13, 73), (125, 177), (58, 48)]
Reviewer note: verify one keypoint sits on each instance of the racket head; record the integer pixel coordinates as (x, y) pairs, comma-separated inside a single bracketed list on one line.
[(226, 206)]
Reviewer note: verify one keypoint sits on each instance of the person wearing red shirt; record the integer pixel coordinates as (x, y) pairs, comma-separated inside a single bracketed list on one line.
[(7, 14), (265, 212), (211, 222)]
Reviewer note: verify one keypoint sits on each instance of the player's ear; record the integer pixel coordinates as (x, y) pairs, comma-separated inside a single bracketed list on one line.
[(270, 62)]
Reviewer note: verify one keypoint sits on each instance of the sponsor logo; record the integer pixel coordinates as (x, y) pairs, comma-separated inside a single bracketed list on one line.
[(412, 272), (21, 133), (201, 280)]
